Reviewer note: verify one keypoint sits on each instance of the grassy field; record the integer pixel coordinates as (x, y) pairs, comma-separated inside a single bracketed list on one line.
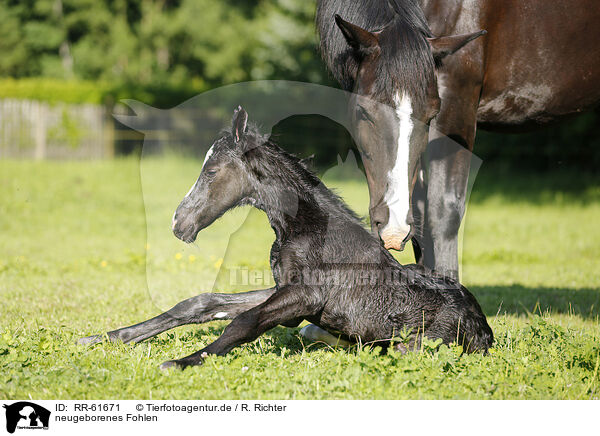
[(74, 238)]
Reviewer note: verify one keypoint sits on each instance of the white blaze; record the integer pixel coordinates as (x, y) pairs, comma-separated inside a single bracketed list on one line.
[(397, 196), (206, 158), (208, 155), (173, 220)]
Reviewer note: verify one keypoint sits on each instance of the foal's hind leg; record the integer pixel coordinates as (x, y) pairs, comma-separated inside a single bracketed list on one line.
[(315, 333), (195, 310), (289, 303)]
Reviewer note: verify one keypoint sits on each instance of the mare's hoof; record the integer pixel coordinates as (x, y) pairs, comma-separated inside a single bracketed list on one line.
[(90, 340)]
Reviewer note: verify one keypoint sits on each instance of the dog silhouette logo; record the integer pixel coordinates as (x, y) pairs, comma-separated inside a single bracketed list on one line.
[(26, 415)]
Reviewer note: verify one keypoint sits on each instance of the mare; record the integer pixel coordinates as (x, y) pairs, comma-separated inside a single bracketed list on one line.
[(430, 63)]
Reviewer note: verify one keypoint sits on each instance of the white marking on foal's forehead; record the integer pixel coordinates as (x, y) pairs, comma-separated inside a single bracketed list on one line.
[(209, 153), (191, 189), (206, 158), (397, 196)]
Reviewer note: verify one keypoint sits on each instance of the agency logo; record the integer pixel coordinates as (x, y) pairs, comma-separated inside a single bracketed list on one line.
[(26, 415)]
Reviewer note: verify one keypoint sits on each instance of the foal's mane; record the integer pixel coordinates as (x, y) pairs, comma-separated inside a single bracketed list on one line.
[(406, 61), (278, 167)]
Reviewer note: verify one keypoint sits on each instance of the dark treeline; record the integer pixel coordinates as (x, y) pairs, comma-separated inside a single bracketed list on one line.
[(164, 51), (160, 42)]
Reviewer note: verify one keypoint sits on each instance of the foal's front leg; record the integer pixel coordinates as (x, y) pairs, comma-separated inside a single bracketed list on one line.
[(195, 310), (291, 303)]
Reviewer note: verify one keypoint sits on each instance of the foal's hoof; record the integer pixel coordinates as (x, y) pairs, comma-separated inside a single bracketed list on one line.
[(90, 340), (181, 363), (170, 364)]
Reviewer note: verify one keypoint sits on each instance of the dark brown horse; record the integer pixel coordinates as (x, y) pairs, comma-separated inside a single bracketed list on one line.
[(538, 63)]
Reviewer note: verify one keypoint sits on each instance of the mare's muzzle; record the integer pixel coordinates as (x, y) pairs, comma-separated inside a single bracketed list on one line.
[(393, 237)]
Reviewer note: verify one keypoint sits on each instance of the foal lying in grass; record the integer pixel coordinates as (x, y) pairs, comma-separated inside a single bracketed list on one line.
[(327, 268)]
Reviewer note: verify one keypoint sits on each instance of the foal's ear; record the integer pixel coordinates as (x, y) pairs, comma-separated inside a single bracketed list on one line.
[(447, 45), (358, 38), (239, 124)]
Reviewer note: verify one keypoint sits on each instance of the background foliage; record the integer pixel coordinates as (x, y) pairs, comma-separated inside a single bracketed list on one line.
[(164, 51), (166, 42)]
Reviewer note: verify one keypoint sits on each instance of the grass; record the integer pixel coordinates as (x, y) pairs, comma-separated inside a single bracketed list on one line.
[(74, 242)]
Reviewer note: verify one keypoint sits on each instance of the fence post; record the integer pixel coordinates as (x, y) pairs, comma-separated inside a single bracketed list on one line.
[(40, 130), (109, 131)]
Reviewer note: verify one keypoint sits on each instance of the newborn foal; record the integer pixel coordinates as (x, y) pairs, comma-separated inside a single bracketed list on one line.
[(327, 268)]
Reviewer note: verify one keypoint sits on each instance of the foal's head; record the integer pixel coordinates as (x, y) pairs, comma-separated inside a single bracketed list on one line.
[(395, 95), (225, 180)]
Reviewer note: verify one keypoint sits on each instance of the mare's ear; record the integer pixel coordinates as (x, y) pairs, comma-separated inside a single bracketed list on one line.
[(447, 45), (239, 125), (308, 162), (361, 40)]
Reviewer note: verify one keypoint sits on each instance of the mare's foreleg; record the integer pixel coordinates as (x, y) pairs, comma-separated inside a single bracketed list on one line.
[(446, 196), (419, 199), (195, 310), (449, 159)]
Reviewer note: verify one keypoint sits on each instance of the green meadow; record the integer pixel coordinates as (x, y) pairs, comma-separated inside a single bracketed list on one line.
[(86, 247)]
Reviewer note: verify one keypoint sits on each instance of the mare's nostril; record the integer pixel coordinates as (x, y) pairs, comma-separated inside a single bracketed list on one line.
[(377, 226), (379, 218)]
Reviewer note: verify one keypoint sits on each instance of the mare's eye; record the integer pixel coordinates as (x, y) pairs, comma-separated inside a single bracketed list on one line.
[(210, 171), (362, 114)]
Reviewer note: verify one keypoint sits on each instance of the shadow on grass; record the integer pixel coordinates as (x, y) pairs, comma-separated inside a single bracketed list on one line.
[(521, 300)]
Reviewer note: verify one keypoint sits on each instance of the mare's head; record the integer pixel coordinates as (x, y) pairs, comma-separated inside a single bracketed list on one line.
[(395, 96), (225, 180)]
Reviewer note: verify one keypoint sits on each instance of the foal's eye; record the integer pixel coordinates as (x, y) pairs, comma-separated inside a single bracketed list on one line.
[(210, 171)]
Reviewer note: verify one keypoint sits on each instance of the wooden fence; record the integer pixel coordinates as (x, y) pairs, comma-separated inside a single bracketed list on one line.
[(32, 129), (38, 130)]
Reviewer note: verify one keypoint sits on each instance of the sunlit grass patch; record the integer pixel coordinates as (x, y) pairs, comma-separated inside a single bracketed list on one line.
[(73, 262)]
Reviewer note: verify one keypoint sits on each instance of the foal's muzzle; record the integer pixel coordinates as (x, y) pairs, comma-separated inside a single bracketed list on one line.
[(187, 235), (184, 228)]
